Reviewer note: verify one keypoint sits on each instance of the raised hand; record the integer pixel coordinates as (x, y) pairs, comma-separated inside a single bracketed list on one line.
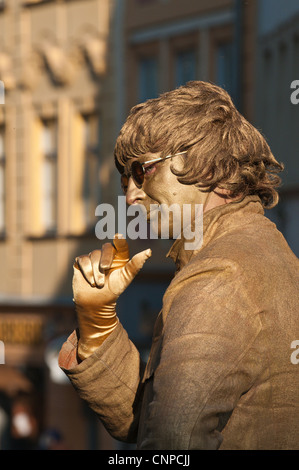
[(99, 279)]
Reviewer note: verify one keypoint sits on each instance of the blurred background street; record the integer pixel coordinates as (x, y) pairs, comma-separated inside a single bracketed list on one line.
[(70, 72)]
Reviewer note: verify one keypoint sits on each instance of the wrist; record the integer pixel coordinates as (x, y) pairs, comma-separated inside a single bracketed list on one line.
[(94, 327), (92, 338)]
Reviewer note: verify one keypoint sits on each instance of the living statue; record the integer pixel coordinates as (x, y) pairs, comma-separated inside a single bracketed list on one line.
[(219, 373)]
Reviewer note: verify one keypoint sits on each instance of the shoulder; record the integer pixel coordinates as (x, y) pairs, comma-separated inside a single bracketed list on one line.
[(255, 244), (243, 257)]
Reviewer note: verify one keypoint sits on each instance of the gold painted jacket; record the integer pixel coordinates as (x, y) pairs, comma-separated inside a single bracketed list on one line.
[(220, 374)]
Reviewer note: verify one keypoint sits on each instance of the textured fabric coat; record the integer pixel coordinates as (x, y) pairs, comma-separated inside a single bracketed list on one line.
[(219, 374)]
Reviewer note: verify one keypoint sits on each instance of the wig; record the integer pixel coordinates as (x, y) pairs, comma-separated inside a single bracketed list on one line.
[(223, 149)]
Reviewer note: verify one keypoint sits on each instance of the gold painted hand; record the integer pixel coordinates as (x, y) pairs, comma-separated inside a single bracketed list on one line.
[(99, 279)]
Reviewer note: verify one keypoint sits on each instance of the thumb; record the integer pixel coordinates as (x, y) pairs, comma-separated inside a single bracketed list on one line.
[(133, 267), (120, 279)]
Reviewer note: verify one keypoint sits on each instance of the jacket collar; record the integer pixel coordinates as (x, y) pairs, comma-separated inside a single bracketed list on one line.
[(215, 222)]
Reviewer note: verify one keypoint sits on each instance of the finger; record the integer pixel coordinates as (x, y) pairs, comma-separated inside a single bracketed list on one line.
[(107, 256), (98, 274), (76, 265), (85, 267), (122, 254)]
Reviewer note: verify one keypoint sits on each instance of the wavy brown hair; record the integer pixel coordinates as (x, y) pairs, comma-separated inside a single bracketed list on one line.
[(223, 149)]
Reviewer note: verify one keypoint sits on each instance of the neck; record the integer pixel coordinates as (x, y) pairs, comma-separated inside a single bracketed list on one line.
[(214, 199)]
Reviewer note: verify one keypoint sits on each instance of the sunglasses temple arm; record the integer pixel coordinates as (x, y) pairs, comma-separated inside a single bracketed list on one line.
[(168, 156)]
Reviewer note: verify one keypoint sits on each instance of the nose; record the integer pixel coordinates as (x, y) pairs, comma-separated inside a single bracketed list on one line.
[(133, 194)]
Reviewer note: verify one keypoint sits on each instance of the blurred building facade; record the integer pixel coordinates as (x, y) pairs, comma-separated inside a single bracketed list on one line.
[(72, 69), (170, 42), (57, 129), (277, 104)]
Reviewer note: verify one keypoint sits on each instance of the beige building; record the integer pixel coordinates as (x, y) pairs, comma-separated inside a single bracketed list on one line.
[(57, 131), (71, 70)]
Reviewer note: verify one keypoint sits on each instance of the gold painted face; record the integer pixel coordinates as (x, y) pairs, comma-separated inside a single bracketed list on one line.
[(160, 189)]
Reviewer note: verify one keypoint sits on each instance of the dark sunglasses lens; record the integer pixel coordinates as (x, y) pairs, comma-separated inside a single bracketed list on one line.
[(124, 180), (137, 172)]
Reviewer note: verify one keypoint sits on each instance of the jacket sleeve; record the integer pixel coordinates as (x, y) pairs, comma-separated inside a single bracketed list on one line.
[(207, 359), (109, 381)]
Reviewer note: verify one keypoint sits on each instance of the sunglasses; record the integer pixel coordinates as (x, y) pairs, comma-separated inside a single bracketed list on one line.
[(138, 170)]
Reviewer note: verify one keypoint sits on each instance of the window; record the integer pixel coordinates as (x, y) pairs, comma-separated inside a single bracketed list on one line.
[(185, 67), (90, 188), (49, 175), (183, 59), (225, 69), (223, 60), (148, 78), (2, 179)]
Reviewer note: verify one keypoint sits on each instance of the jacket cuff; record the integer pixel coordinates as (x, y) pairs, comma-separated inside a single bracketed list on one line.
[(68, 357)]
